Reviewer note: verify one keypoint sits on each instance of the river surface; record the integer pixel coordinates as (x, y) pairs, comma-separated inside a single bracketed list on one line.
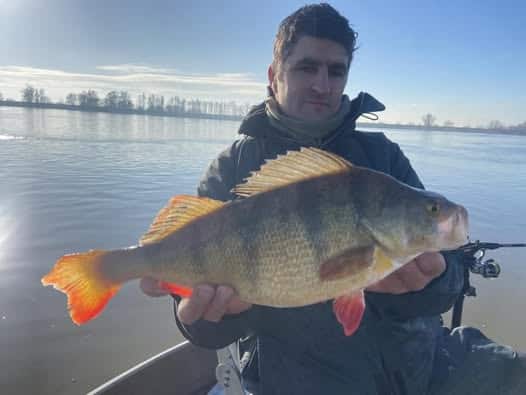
[(73, 181)]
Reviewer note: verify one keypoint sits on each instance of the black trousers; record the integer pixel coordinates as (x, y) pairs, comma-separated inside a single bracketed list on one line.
[(467, 362)]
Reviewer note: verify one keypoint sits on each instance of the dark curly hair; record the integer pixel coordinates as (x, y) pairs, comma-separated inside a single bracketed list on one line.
[(315, 20)]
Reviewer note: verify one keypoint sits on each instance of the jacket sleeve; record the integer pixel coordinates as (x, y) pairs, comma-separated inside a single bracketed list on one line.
[(441, 293), (217, 182)]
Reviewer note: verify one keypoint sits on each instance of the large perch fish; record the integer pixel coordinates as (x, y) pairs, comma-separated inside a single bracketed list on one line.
[(311, 227)]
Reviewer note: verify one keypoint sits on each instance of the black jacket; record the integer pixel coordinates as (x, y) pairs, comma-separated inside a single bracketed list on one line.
[(303, 350)]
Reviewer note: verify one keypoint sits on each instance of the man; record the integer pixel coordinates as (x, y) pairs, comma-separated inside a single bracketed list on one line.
[(400, 346)]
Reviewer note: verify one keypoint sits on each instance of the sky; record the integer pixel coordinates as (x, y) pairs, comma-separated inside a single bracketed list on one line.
[(462, 61)]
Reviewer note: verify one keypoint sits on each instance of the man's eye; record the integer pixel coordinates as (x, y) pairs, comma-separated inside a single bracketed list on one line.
[(308, 69), (337, 73)]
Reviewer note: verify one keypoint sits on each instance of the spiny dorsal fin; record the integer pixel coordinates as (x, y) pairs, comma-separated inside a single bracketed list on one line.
[(179, 211), (292, 167)]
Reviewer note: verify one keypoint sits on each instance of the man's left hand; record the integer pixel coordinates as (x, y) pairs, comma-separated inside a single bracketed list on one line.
[(413, 276)]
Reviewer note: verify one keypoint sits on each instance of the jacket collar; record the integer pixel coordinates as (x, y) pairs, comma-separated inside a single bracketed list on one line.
[(256, 124)]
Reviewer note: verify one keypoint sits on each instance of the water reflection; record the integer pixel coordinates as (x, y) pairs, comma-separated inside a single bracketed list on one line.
[(57, 124), (6, 230), (85, 180)]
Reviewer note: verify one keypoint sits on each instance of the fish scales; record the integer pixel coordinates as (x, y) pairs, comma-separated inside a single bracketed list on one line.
[(268, 248)]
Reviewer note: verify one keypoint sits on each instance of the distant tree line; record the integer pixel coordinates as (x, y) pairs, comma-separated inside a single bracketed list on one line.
[(121, 101), (144, 104), (33, 95), (429, 121)]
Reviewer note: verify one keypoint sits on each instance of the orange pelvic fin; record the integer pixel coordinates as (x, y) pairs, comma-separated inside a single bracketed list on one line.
[(349, 311), (80, 278), (179, 211), (180, 290)]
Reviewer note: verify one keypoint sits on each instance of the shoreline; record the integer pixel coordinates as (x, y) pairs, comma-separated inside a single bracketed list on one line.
[(224, 117), (122, 111)]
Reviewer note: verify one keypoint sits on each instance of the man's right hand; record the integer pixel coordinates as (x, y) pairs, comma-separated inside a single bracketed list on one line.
[(210, 303), (207, 302)]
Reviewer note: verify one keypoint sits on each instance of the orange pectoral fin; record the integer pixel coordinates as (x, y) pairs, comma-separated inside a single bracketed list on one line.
[(349, 311), (347, 263), (180, 290)]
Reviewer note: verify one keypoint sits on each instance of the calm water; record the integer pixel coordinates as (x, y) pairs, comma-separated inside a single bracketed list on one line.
[(73, 181)]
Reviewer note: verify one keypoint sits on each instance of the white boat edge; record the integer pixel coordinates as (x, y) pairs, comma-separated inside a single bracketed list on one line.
[(199, 373)]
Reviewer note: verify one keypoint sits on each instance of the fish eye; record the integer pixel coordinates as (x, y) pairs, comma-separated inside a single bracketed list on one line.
[(433, 208)]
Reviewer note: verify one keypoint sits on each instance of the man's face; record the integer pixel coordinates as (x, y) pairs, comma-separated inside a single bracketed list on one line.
[(310, 82)]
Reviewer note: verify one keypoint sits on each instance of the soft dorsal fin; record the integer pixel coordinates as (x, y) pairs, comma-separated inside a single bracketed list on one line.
[(179, 211), (292, 167)]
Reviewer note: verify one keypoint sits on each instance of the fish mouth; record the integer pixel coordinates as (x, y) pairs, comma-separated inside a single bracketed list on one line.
[(453, 229)]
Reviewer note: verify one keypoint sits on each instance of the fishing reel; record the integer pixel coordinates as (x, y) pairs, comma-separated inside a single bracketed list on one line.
[(474, 253), (488, 268), (474, 262)]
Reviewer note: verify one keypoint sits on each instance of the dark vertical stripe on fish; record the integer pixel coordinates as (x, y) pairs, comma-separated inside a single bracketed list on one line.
[(197, 255), (312, 221), (247, 233)]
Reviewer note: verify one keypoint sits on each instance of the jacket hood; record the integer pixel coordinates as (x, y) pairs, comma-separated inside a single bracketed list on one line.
[(256, 124)]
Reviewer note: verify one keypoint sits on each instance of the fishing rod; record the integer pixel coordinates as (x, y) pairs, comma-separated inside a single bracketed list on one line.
[(473, 254)]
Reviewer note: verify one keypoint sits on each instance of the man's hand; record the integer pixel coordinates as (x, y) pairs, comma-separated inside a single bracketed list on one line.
[(210, 303), (413, 276), (207, 302)]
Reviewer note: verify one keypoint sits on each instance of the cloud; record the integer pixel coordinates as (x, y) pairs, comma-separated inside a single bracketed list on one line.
[(133, 68), (135, 79)]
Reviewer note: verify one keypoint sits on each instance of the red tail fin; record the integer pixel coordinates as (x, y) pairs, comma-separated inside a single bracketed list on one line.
[(80, 278)]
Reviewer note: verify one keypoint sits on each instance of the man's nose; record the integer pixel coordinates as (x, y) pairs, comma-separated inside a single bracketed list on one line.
[(321, 82)]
